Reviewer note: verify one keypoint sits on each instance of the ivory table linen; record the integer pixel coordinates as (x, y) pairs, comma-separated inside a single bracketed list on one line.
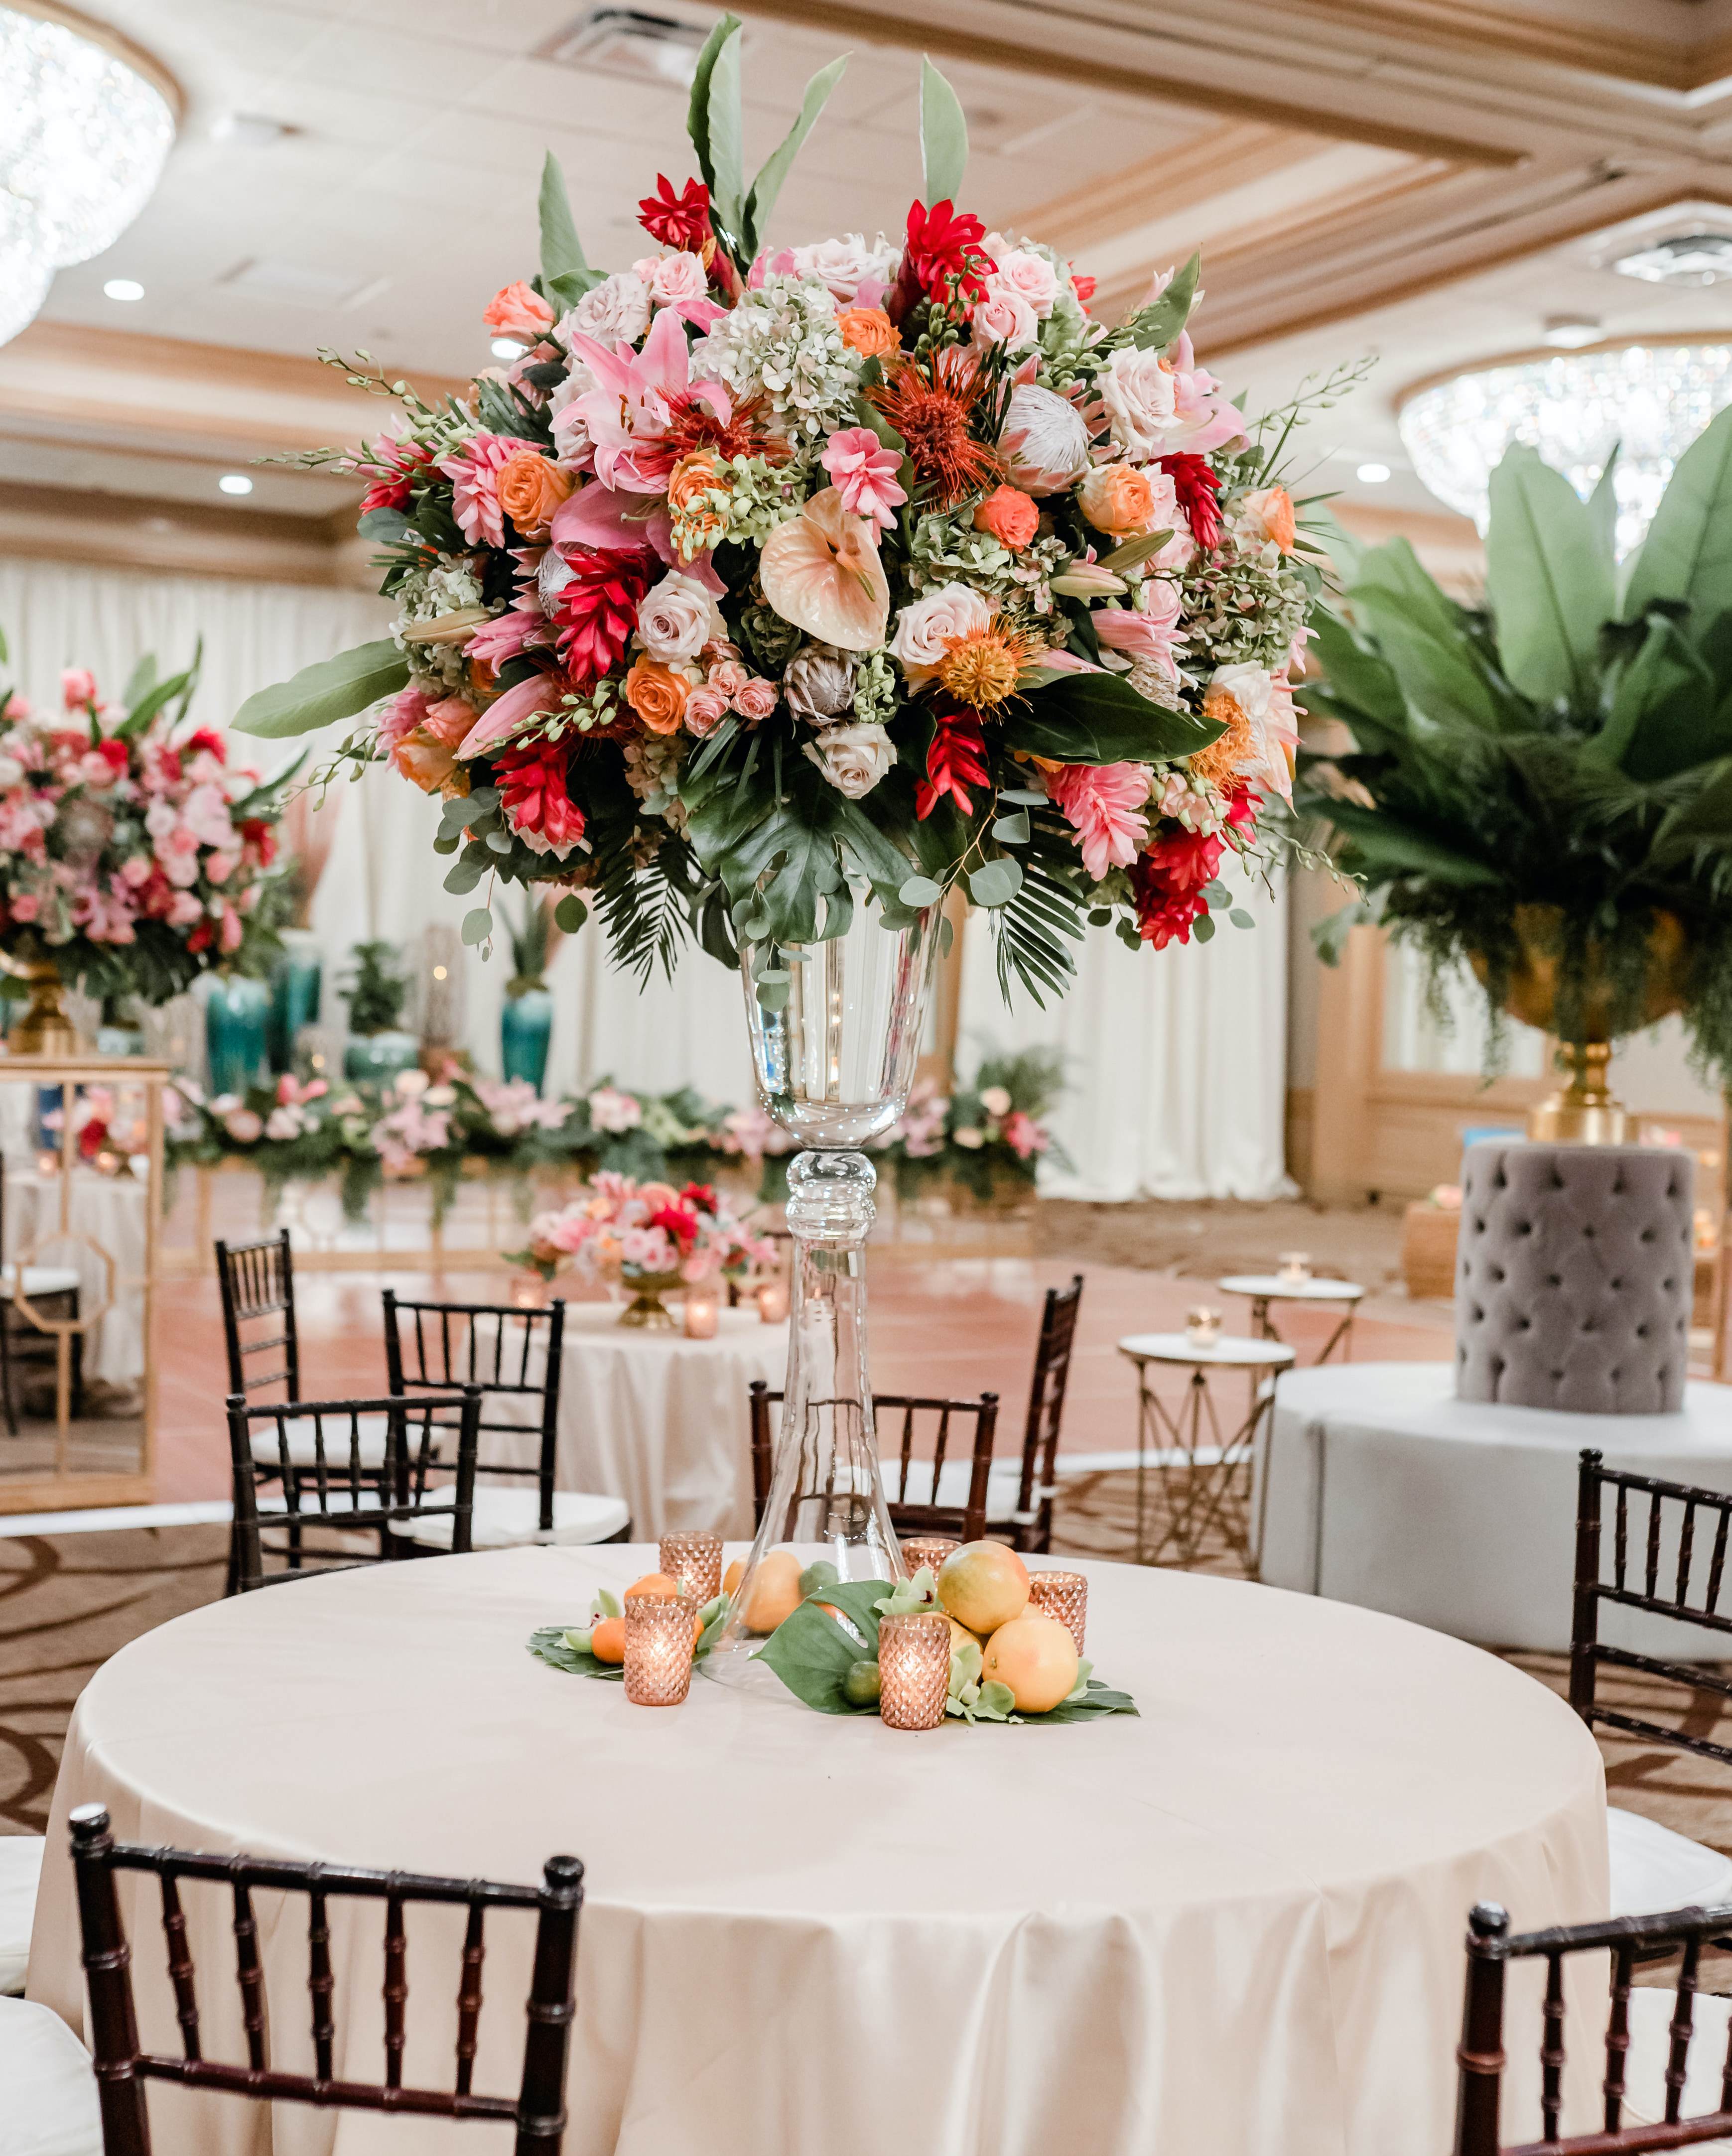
[(1230, 1927)]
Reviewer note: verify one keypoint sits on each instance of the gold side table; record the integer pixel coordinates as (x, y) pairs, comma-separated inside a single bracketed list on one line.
[(1266, 1288), (1205, 1477)]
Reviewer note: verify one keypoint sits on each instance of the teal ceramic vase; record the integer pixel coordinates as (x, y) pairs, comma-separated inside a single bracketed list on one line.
[(525, 1031), (295, 987), (379, 1057), (236, 1017)]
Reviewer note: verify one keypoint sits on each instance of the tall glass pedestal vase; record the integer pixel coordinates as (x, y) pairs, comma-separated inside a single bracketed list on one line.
[(834, 1066)]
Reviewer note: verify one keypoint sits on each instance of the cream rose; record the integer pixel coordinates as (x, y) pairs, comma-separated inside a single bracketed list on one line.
[(1032, 276), (845, 264), (1140, 397), (676, 619), (924, 627), (618, 307), (677, 277), (1003, 317), (853, 758)]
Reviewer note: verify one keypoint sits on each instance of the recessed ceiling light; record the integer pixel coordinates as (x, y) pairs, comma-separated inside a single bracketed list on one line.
[(508, 348), (1373, 475), (122, 287), (1691, 257), (1571, 332), (235, 483)]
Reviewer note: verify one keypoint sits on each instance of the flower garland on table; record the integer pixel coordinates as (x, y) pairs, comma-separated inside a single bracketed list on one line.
[(621, 1230), (989, 1135), (885, 561), (132, 855)]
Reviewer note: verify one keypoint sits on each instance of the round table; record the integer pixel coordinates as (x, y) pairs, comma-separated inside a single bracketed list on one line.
[(658, 1419), (1209, 1495), (1381, 1487), (1265, 1288), (1233, 1924)]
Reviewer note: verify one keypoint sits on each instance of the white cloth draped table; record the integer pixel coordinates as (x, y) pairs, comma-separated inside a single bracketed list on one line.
[(658, 1419), (1384, 1490), (1233, 1925)]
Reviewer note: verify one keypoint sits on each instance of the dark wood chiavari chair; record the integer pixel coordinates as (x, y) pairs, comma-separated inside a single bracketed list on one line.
[(1669, 1573), (257, 1280), (123, 2066), (1031, 1522), (1643, 2026), (918, 1513), (345, 1487)]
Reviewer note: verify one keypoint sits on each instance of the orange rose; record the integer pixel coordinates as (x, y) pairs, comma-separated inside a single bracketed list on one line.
[(430, 765), (1117, 498), (530, 490), (697, 524), (656, 693), (1010, 516), (517, 312), (1268, 513), (868, 331)]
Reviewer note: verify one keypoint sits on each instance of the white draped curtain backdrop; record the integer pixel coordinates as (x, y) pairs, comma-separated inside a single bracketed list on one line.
[(1176, 1062)]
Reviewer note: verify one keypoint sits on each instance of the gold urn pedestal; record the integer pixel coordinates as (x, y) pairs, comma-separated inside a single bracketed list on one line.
[(45, 1028), (1584, 1111), (647, 1308)]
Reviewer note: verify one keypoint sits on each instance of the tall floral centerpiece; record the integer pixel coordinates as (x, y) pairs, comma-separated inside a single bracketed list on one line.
[(775, 592), (133, 854)]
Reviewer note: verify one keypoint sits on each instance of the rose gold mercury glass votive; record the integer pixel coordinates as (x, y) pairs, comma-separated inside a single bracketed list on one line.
[(658, 1649), (693, 1557), (1063, 1595), (914, 1663), (926, 1549)]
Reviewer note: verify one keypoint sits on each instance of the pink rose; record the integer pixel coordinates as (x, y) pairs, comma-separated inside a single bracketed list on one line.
[(756, 699), (449, 720), (220, 867), (243, 1126), (1003, 317), (704, 707), (137, 869), (25, 906), (927, 626), (727, 676), (517, 312), (1031, 277), (618, 308), (677, 277), (78, 687)]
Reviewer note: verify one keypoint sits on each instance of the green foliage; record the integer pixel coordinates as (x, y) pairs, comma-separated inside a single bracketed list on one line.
[(1550, 750), (1100, 718), (320, 694), (1161, 321), (943, 138), (375, 991), (566, 275)]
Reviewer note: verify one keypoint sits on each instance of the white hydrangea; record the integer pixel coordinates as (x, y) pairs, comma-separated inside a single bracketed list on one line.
[(423, 595), (782, 339)]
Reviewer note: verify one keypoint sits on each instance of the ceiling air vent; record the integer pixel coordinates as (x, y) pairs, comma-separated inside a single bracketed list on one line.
[(621, 41), (1691, 257)]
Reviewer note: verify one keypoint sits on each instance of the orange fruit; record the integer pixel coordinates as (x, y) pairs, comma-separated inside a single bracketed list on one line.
[(653, 1583), (983, 1585), (1037, 1657), (734, 1575), (607, 1642), (961, 1636), (775, 1591)]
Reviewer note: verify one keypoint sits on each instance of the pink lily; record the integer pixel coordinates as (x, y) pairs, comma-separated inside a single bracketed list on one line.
[(628, 411), (540, 693)]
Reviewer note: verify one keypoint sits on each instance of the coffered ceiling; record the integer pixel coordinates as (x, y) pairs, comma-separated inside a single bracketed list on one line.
[(1428, 178)]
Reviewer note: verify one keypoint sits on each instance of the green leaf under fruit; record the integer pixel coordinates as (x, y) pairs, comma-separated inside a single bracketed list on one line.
[(549, 1645), (943, 138), (812, 1653), (320, 694)]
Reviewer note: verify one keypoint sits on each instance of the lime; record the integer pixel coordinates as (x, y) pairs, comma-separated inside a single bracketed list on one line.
[(862, 1685), (824, 1574)]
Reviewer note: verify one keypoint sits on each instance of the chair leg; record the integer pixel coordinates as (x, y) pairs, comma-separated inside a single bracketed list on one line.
[(6, 1392), (78, 1363)]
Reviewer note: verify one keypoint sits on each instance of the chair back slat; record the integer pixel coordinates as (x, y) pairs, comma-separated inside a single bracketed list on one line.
[(320, 1982), (257, 1280), (469, 1998), (967, 1521), (182, 1975), (397, 1990), (1685, 1598), (1482, 2057), (537, 2111)]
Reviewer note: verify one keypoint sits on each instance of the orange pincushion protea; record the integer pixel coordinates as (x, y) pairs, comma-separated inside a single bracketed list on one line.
[(931, 404), (1220, 761), (980, 669)]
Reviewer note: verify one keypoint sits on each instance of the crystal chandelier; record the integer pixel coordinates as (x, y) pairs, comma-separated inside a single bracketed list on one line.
[(1650, 400), (84, 132)]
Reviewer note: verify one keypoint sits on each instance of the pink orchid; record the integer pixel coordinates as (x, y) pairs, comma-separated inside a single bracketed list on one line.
[(865, 473), (1103, 804), (637, 394), (473, 472)]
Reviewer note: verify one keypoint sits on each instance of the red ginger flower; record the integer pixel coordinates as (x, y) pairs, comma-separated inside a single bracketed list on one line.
[(1169, 880), (598, 610), (945, 254), (1198, 489), (955, 761), (681, 221), (534, 784)]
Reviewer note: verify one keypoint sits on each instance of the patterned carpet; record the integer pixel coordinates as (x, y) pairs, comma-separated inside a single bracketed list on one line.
[(68, 1602)]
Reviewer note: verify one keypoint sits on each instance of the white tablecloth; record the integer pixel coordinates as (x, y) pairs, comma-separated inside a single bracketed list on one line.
[(1385, 1489), (658, 1419), (108, 1211), (1230, 1927)]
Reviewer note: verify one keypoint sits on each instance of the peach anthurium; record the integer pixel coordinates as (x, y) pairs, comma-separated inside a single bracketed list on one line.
[(821, 572)]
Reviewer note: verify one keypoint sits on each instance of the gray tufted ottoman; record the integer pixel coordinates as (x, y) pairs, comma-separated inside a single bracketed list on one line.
[(1574, 1277)]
